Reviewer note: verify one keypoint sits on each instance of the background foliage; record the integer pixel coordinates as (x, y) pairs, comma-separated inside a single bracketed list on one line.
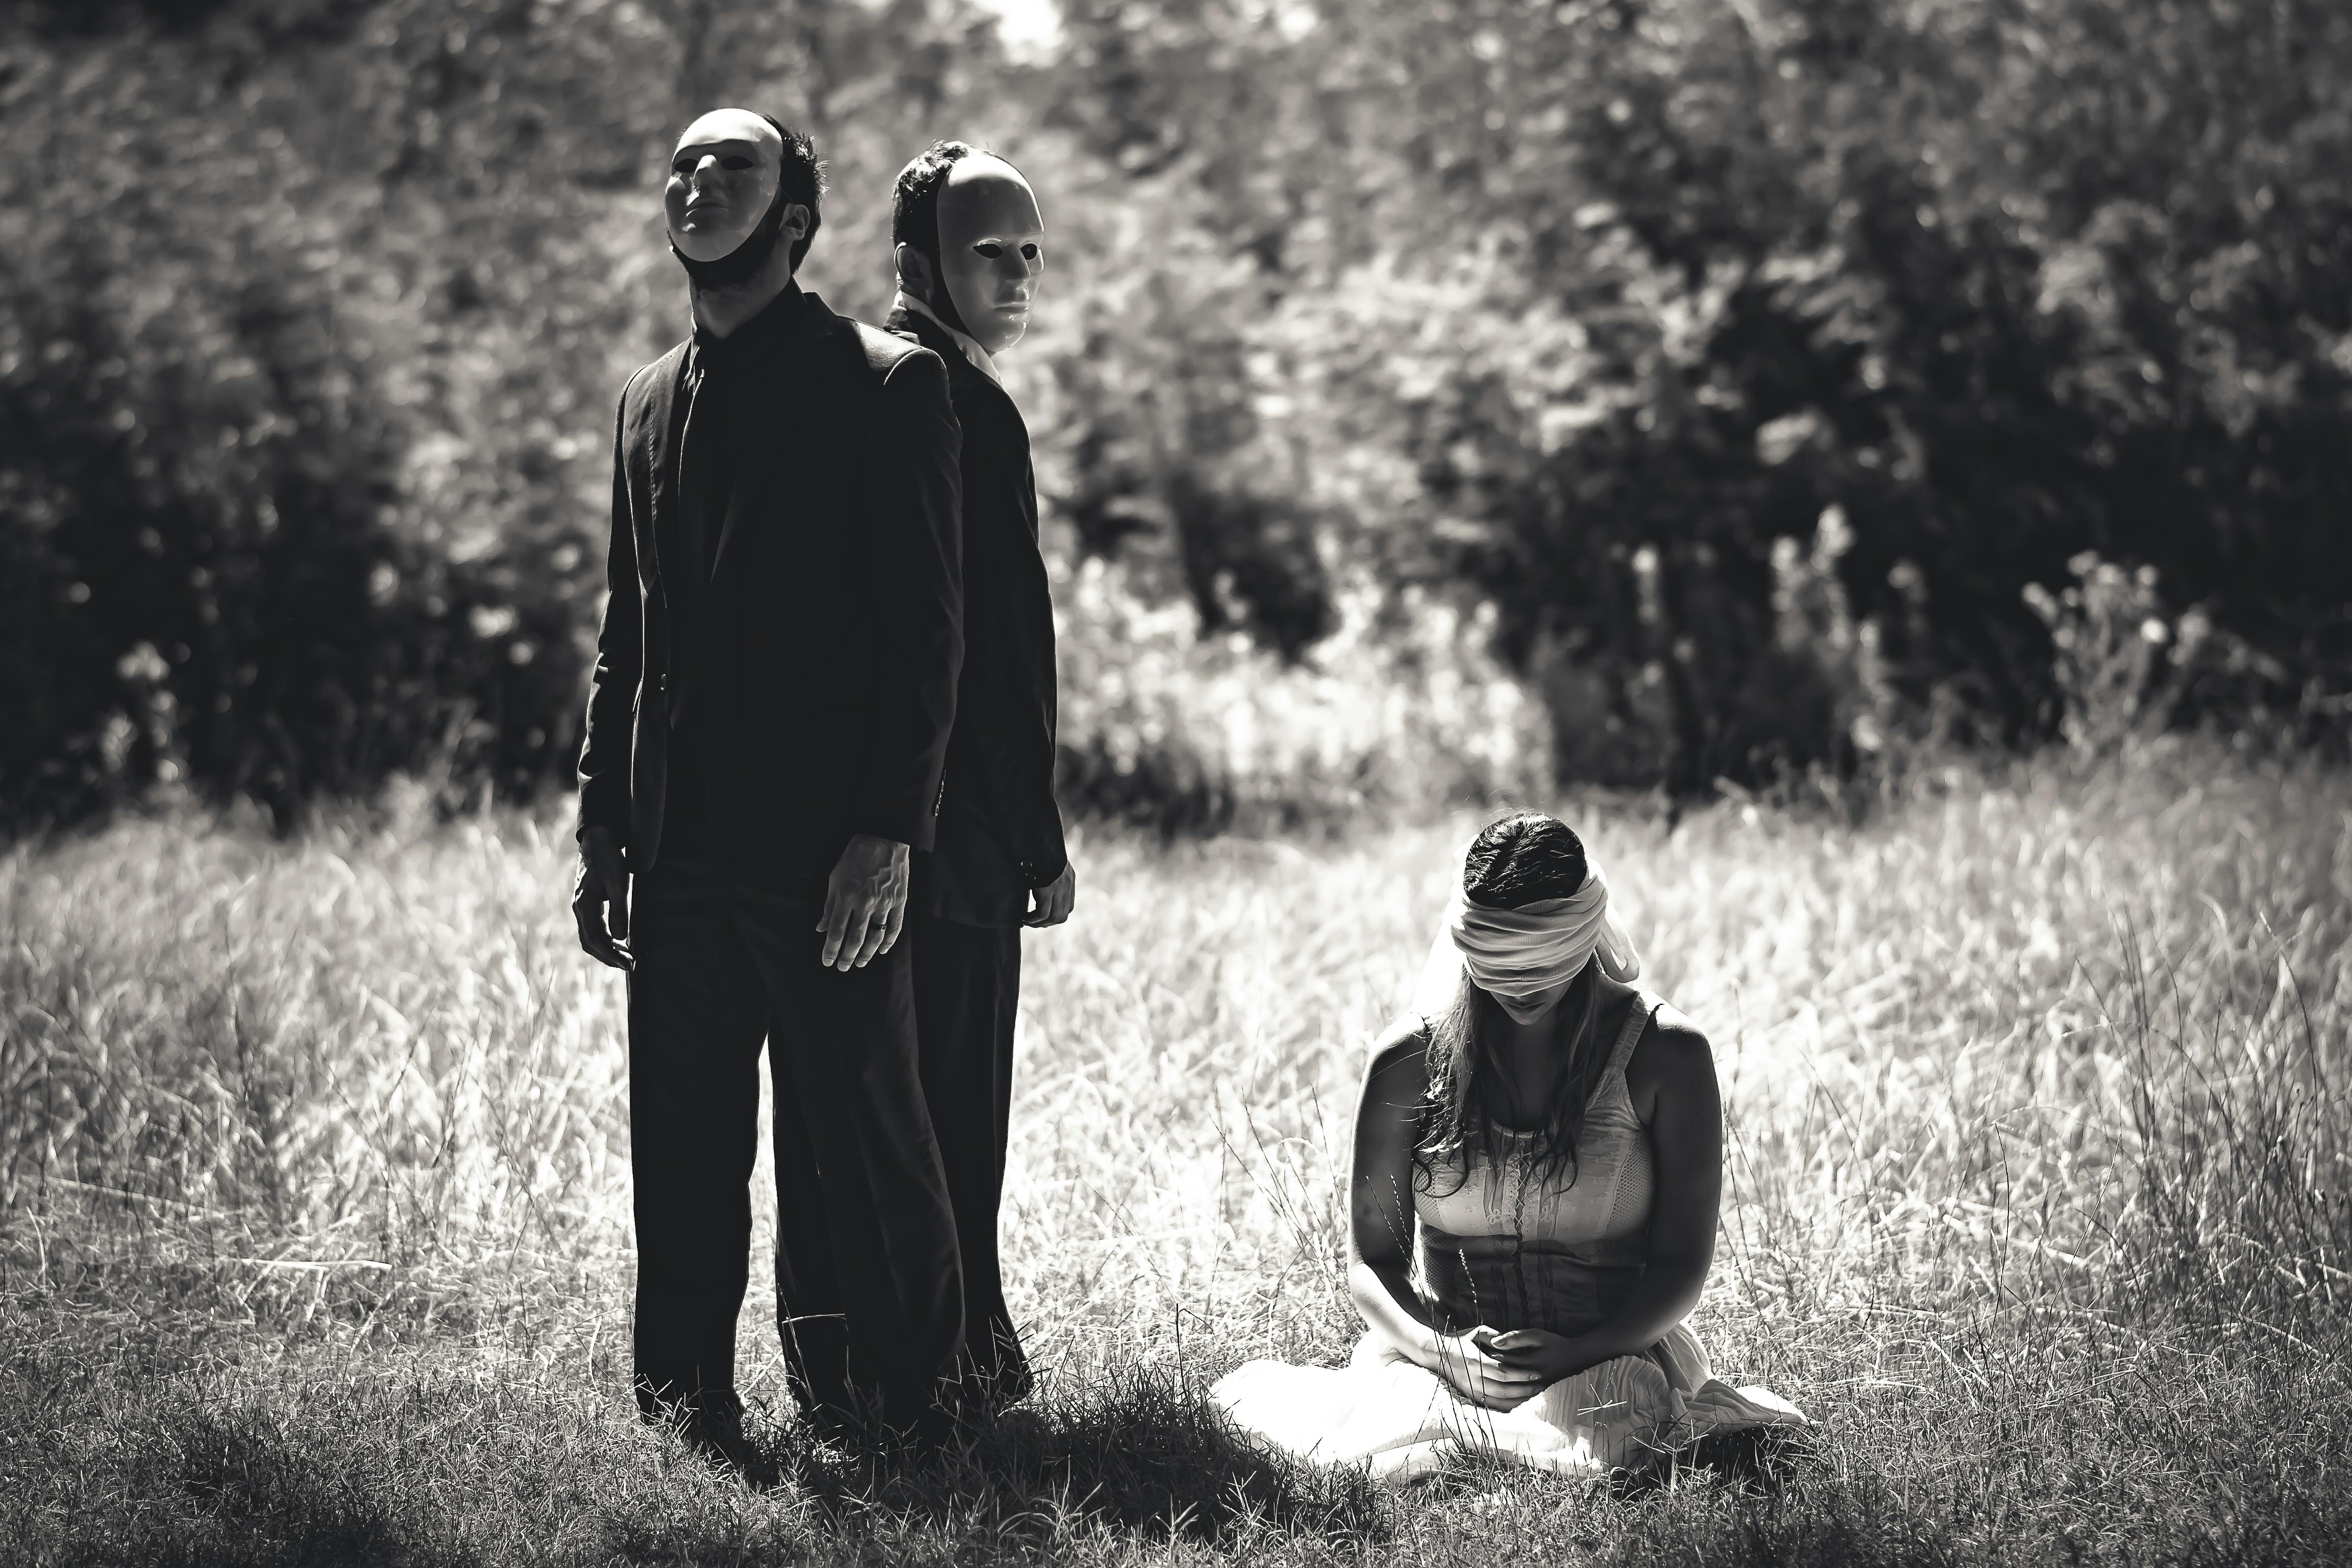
[(1759, 386)]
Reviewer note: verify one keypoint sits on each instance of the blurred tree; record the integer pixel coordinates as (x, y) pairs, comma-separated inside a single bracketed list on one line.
[(194, 473), (1772, 367), (1186, 113), (236, 568), (314, 310), (2000, 282)]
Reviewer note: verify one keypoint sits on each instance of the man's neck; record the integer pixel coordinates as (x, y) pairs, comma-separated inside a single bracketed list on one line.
[(719, 311), (970, 346)]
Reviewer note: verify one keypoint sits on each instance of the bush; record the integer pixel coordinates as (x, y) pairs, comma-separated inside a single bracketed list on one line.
[(1767, 368), (213, 575), (1400, 712), (1999, 287)]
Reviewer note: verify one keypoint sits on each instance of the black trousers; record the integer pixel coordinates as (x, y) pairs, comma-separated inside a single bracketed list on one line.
[(868, 1293), (966, 989)]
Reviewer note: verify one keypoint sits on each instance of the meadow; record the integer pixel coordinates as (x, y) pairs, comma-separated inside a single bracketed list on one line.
[(316, 1244)]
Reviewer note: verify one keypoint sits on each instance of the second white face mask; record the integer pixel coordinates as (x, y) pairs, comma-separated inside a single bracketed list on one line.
[(991, 251)]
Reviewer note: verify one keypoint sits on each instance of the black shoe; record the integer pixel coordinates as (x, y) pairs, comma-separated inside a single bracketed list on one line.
[(867, 1437), (717, 1433), (712, 1423), (986, 1385), (832, 1424)]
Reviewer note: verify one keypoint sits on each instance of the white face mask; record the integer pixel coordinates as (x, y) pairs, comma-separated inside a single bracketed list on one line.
[(724, 201), (992, 248), (722, 180)]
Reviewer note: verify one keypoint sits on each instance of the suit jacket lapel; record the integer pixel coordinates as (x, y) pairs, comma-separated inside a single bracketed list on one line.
[(969, 381), (658, 440), (934, 337), (922, 329)]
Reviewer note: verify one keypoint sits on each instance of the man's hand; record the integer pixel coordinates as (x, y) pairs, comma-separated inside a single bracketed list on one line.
[(1482, 1378), (600, 900), (1054, 899), (865, 902)]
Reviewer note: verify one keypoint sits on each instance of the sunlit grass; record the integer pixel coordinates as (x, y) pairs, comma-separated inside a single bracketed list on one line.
[(314, 1168)]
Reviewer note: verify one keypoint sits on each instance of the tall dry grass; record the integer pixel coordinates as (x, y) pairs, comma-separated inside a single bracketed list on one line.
[(314, 1168)]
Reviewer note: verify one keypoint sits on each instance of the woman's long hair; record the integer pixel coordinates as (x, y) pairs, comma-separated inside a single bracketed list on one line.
[(1522, 860)]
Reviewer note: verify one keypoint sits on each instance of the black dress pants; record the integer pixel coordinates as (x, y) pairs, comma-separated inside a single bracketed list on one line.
[(868, 1293), (967, 991)]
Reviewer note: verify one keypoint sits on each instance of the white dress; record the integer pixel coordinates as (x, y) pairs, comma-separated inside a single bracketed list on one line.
[(1518, 1254)]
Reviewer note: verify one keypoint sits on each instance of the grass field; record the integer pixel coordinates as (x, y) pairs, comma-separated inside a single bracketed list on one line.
[(316, 1246)]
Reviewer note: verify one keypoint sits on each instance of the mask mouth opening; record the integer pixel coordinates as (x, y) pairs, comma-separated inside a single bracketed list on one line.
[(738, 265)]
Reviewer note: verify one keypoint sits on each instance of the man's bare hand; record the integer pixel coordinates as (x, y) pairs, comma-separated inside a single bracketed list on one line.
[(1054, 899), (865, 902), (600, 900)]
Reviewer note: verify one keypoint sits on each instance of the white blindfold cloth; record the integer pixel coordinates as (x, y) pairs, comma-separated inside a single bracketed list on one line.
[(1513, 954)]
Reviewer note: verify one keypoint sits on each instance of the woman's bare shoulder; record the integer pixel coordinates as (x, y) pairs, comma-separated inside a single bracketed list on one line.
[(1672, 1056), (1402, 1048)]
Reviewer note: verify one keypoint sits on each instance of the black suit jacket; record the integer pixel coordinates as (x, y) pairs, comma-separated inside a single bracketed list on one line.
[(831, 625), (1000, 832)]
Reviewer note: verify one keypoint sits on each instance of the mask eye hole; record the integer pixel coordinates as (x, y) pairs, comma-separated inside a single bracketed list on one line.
[(1029, 253), (738, 163), (989, 249)]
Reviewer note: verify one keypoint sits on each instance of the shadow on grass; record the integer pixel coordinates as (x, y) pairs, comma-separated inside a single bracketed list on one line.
[(258, 1499), (1142, 1458), (295, 1461), (1150, 1461), (1760, 1462)]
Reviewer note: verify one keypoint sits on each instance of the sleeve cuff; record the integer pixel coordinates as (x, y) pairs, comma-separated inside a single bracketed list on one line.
[(619, 830), (914, 835)]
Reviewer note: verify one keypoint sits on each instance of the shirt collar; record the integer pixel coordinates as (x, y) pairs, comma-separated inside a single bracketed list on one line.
[(772, 317), (964, 341)]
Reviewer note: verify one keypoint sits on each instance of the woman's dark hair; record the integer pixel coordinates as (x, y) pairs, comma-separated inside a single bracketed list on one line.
[(1521, 859)]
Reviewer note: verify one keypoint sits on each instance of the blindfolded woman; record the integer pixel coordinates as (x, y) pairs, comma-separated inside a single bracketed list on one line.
[(1538, 1169)]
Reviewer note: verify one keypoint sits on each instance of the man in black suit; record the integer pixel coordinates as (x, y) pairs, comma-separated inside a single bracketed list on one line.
[(774, 684), (969, 244)]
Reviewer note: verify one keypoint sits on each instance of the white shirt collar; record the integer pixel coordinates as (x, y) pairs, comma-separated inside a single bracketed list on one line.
[(964, 341)]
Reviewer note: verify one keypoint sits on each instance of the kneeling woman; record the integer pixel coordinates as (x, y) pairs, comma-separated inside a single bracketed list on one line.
[(1536, 1176)]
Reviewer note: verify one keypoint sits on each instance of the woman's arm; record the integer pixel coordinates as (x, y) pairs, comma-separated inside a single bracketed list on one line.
[(1380, 1196), (1380, 1236), (1673, 1069)]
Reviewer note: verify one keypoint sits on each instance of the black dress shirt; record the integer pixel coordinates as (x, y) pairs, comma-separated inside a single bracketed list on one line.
[(714, 412)]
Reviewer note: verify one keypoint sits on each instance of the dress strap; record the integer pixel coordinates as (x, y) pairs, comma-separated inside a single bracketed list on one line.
[(1637, 1019)]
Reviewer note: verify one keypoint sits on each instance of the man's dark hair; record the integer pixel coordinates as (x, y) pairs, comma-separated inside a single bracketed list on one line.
[(915, 203), (801, 180)]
